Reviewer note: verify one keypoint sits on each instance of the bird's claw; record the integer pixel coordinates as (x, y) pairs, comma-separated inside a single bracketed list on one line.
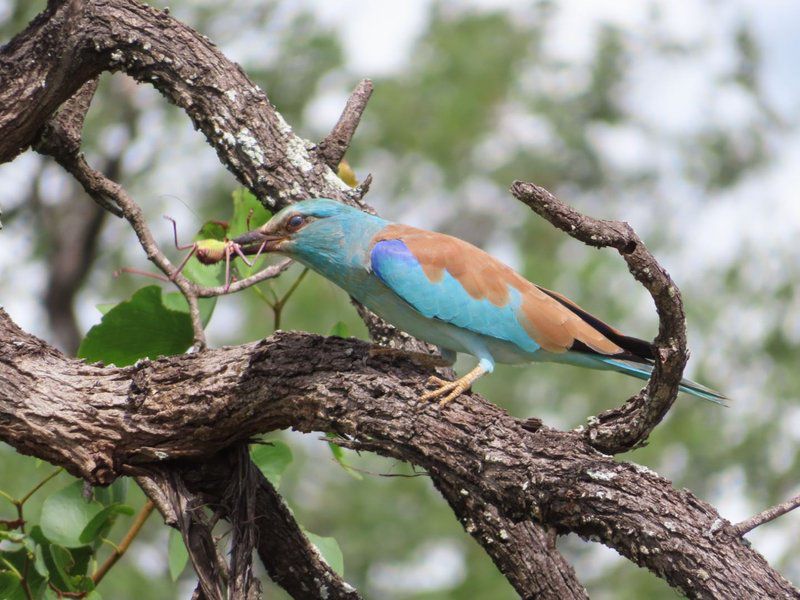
[(455, 389)]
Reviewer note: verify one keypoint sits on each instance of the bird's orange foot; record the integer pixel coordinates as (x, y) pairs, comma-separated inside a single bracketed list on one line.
[(452, 389)]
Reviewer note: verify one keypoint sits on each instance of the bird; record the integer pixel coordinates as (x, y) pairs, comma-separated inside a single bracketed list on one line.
[(450, 293)]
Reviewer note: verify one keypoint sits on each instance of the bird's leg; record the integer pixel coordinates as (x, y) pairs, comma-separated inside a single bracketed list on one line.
[(453, 389)]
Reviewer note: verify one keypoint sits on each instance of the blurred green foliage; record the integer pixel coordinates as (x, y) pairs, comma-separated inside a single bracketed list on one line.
[(483, 100)]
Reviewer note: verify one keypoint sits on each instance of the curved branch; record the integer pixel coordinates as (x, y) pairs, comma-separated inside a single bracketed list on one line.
[(101, 422), (626, 427)]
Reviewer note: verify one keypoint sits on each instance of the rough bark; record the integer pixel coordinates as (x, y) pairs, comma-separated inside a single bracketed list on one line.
[(73, 41), (101, 422), (511, 483)]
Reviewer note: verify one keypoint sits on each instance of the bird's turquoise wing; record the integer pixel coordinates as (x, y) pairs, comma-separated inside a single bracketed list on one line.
[(447, 299)]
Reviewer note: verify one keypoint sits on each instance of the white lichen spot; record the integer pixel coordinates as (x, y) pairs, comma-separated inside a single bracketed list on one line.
[(703, 574), (228, 138), (601, 475), (333, 180), (504, 535), (297, 154), (716, 526), (250, 146), (642, 470), (323, 592), (470, 527), (161, 455), (231, 94), (463, 492), (644, 550), (671, 526), (146, 46), (116, 56), (525, 485)]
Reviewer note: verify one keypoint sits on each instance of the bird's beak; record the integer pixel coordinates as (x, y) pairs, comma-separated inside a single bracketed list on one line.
[(257, 241)]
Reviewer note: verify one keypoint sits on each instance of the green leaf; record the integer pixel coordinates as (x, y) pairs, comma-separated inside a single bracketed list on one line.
[(39, 563), (329, 549), (212, 230), (340, 329), (65, 514), (205, 275), (271, 458), (138, 328), (105, 307), (112, 494), (243, 203), (176, 301), (103, 520), (11, 586), (177, 554), (339, 456), (119, 490), (82, 583), (63, 562), (15, 537)]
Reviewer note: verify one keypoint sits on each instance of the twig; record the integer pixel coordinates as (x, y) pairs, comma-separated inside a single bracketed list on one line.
[(38, 486), (333, 148), (627, 426), (765, 516), (269, 273), (120, 550)]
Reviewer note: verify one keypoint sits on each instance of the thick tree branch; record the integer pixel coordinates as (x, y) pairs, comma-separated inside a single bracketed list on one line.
[(100, 422), (627, 426)]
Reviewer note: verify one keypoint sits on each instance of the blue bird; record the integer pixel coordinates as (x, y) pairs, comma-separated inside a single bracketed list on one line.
[(450, 293)]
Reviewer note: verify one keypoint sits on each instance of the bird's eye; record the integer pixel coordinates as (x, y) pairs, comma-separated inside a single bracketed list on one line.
[(295, 222)]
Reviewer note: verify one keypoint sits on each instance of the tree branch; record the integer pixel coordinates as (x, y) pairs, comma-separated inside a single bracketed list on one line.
[(101, 422), (74, 41), (333, 148), (182, 509), (629, 425), (765, 516), (230, 479)]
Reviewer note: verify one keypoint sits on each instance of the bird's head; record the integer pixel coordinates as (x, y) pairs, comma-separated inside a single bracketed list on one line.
[(305, 230)]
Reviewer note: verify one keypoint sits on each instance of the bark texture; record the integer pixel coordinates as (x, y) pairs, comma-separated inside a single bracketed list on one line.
[(180, 424), (102, 422)]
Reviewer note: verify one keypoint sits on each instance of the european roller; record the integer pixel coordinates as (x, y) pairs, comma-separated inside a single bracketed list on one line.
[(450, 293)]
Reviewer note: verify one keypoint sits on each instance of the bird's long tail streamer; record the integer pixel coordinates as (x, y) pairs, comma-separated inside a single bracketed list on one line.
[(643, 371)]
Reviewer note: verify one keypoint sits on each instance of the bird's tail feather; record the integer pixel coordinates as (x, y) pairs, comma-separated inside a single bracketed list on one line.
[(643, 371)]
